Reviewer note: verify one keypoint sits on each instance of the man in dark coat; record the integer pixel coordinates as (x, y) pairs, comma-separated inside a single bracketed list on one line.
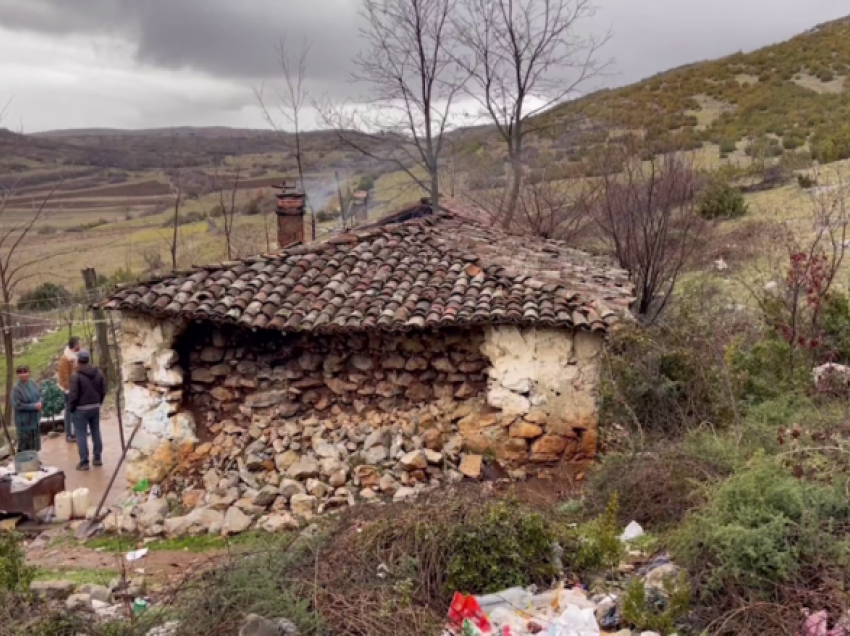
[(88, 390), (26, 400)]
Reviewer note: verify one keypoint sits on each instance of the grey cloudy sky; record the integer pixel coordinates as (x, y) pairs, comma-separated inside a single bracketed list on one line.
[(157, 63)]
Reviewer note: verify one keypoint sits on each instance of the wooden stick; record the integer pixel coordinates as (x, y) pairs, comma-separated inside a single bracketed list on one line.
[(8, 436), (119, 381)]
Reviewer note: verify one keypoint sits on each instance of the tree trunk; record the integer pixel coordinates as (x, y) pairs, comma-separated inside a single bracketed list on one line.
[(513, 193), (174, 235), (9, 353), (104, 357), (435, 192)]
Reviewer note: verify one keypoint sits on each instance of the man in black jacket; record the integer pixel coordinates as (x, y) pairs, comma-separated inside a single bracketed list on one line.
[(88, 390)]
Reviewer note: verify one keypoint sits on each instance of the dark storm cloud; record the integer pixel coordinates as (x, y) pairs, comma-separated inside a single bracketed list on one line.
[(145, 63), (222, 38)]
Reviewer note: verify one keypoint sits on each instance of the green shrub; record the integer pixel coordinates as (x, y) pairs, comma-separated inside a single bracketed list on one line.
[(664, 379), (244, 584), (806, 182), (835, 323), (502, 545), (760, 528), (367, 182), (594, 546), (654, 611), (15, 574), (721, 200), (728, 146), (763, 370), (45, 297)]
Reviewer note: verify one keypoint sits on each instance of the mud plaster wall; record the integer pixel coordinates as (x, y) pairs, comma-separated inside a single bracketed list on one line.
[(531, 392), (153, 396)]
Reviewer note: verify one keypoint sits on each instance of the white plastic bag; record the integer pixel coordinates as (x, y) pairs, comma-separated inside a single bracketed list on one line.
[(574, 622), (632, 532)]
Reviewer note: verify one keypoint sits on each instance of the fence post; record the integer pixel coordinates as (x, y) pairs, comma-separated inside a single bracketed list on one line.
[(104, 357)]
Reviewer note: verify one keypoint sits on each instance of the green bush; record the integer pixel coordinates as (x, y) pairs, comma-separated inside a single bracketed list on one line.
[(502, 545), (760, 529), (835, 323), (15, 574), (728, 146), (367, 182), (806, 182), (654, 611), (45, 297), (721, 200), (245, 584), (664, 379), (764, 371), (594, 546)]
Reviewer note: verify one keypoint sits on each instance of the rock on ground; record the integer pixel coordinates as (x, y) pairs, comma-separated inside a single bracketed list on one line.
[(77, 602), (258, 626), (470, 466), (54, 590), (235, 521)]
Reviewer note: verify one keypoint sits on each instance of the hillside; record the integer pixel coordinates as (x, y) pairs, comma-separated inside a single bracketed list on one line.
[(794, 93)]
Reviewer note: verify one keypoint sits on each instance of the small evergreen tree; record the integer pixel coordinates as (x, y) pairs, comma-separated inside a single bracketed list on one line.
[(721, 200)]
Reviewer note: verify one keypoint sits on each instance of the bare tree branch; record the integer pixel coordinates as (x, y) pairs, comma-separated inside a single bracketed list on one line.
[(291, 102), (410, 65), (521, 52)]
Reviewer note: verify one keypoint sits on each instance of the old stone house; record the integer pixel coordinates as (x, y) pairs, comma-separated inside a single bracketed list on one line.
[(474, 340)]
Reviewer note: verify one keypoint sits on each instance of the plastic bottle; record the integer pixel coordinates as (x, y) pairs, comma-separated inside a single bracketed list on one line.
[(80, 502), (63, 506)]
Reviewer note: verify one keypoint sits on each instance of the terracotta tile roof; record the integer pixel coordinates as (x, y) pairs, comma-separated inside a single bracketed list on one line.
[(415, 269)]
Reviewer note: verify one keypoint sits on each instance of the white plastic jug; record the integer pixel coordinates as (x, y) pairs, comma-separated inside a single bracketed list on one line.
[(80, 502), (63, 506)]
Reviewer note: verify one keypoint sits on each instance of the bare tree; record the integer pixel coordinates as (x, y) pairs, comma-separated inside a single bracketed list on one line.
[(410, 65), (523, 57), (291, 102), (546, 208), (17, 263), (175, 174), (646, 215), (226, 186)]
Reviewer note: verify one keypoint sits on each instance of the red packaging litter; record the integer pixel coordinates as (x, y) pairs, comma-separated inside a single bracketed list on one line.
[(466, 607)]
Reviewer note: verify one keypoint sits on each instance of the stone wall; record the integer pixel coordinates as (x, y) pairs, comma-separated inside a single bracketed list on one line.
[(242, 376), (548, 377), (525, 396), (153, 397)]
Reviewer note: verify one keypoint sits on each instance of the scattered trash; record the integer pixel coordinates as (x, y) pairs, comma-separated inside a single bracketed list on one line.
[(632, 532), (465, 613), (519, 611), (139, 606), (607, 611), (135, 555), (141, 486), (383, 571), (575, 621), (817, 624)]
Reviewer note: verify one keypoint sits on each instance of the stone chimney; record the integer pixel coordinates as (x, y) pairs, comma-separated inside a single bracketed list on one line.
[(360, 207), (290, 215)]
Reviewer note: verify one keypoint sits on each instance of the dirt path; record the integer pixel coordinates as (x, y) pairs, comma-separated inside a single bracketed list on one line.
[(62, 454), (162, 566)]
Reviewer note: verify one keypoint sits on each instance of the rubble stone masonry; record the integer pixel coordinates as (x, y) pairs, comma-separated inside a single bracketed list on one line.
[(526, 396)]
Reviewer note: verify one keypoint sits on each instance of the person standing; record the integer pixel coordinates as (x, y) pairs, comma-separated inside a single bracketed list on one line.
[(67, 366), (88, 390), (26, 400)]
